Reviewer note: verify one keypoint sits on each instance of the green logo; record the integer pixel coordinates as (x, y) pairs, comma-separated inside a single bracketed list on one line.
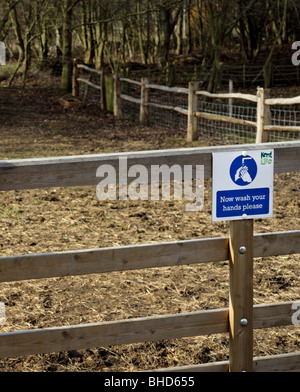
[(266, 158)]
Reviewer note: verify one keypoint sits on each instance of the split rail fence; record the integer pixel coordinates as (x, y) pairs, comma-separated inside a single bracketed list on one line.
[(81, 171), (263, 108), (89, 81), (263, 119)]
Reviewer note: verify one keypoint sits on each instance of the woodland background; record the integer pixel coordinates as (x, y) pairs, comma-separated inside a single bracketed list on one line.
[(115, 32)]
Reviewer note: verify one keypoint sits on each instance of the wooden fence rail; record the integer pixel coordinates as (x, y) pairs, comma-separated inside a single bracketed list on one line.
[(262, 124), (261, 99), (268, 363), (126, 258), (77, 80), (80, 171), (110, 333)]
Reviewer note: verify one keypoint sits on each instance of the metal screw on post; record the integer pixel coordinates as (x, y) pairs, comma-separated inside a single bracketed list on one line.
[(242, 250), (244, 322)]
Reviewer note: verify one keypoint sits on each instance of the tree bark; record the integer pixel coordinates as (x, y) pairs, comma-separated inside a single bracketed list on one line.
[(144, 54), (66, 78), (167, 20)]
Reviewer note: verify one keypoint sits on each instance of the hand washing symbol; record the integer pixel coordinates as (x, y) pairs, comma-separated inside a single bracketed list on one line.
[(243, 170), (243, 173)]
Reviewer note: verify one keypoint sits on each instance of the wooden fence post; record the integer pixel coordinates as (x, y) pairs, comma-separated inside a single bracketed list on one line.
[(260, 114), (263, 115), (192, 129), (144, 112), (241, 296), (75, 83), (117, 96), (267, 118)]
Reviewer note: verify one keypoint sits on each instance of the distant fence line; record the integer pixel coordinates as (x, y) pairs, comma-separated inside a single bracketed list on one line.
[(254, 119)]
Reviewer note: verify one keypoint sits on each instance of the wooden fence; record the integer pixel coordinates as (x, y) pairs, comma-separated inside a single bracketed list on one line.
[(81, 171), (262, 124), (87, 82)]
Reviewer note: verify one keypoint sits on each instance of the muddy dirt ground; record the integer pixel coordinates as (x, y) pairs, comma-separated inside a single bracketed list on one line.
[(33, 124)]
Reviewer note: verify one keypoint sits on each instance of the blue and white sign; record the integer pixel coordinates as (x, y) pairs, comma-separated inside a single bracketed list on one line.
[(242, 185)]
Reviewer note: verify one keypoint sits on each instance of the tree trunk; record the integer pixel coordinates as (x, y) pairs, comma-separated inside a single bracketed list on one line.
[(268, 66), (44, 43), (66, 78), (140, 33), (100, 34), (6, 17), (100, 38), (165, 35), (87, 31), (187, 16), (20, 43), (26, 62), (179, 36)]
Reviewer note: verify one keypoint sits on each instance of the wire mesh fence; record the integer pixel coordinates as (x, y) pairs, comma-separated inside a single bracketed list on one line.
[(226, 131), (167, 118), (219, 131), (283, 116), (88, 94), (131, 110)]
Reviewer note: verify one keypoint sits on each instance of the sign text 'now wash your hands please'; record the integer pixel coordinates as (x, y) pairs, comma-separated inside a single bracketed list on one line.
[(243, 185)]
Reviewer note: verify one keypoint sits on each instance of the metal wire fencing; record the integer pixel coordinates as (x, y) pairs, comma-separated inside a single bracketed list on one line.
[(227, 132), (89, 95), (130, 109), (220, 132), (283, 116), (220, 118), (168, 118)]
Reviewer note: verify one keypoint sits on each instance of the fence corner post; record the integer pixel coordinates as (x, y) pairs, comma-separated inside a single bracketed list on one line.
[(75, 84), (144, 112), (192, 129), (117, 96), (241, 296)]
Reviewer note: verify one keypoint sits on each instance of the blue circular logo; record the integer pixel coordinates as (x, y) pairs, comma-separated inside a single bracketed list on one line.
[(243, 170)]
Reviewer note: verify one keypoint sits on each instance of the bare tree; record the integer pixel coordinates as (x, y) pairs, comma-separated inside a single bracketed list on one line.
[(115, 31), (67, 7), (5, 13)]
